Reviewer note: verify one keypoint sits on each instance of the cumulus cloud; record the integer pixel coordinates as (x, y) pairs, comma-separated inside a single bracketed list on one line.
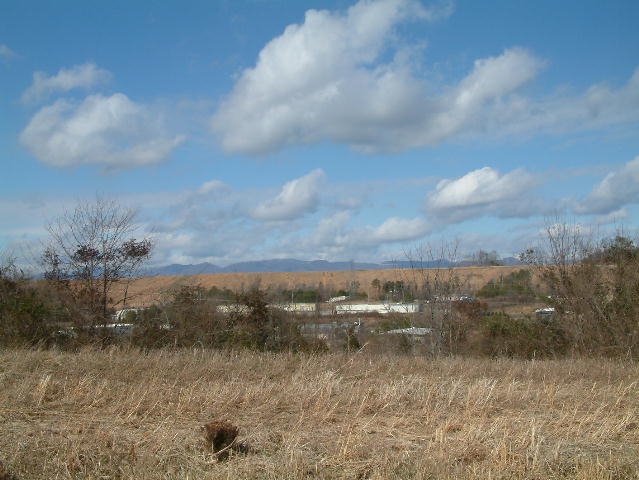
[(318, 78), (481, 192), (296, 198), (83, 76), (225, 222), (616, 190), (111, 131), (616, 217), (349, 78)]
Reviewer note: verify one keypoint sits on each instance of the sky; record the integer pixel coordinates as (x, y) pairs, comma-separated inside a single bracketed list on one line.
[(246, 130)]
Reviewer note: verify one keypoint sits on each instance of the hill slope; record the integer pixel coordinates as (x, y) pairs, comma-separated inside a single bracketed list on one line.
[(148, 290)]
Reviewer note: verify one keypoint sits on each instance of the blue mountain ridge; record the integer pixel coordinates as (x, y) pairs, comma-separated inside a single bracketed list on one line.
[(294, 265)]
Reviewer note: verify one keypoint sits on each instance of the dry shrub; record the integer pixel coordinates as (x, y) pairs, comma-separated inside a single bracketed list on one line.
[(594, 287)]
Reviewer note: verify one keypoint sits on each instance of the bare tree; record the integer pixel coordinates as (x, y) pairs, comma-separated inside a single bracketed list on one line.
[(486, 259), (94, 245), (432, 277), (8, 267)]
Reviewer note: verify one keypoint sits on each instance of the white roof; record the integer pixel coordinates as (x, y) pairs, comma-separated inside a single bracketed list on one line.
[(419, 331)]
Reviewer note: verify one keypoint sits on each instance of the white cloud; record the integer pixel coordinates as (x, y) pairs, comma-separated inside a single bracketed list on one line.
[(485, 89), (616, 217), (113, 131), (598, 107), (616, 190), (222, 222), (335, 237), (83, 76), (318, 78), (6, 53), (496, 76), (328, 78), (296, 198), (212, 186), (331, 230), (397, 229), (481, 192)]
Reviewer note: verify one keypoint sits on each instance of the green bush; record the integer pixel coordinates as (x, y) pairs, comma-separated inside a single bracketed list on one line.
[(394, 322), (516, 283), (24, 314), (502, 335), (301, 296)]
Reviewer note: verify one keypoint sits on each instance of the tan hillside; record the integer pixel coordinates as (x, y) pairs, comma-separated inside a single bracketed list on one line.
[(148, 290)]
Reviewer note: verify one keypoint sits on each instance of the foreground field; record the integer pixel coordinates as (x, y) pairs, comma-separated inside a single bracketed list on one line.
[(125, 414)]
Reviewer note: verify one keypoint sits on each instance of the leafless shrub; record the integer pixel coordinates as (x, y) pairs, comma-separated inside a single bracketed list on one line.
[(594, 285), (438, 287)]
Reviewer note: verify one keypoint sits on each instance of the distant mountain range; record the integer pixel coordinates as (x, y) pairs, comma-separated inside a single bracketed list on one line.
[(293, 265)]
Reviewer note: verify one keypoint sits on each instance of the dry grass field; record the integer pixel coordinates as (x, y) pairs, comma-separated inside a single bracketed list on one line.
[(124, 414), (148, 290)]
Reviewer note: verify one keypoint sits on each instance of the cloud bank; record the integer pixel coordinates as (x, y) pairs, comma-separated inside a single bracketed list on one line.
[(349, 78)]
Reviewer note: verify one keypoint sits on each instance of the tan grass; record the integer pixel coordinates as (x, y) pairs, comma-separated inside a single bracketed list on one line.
[(125, 414)]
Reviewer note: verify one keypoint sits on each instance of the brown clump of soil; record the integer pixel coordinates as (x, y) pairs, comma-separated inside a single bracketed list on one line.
[(220, 437), (5, 474)]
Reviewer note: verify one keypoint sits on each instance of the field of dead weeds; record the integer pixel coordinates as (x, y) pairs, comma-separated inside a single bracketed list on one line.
[(121, 413)]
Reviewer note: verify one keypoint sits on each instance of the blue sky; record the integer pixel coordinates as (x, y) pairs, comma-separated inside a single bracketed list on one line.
[(337, 130)]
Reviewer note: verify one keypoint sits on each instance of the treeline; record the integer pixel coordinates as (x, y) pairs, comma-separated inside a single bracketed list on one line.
[(45, 314), (594, 311)]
